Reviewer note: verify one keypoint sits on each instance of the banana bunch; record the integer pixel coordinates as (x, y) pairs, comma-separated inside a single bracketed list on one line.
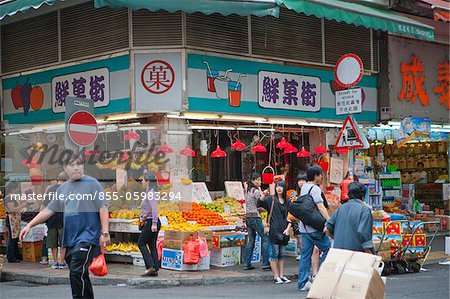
[(123, 247), (187, 227), (125, 214), (186, 182)]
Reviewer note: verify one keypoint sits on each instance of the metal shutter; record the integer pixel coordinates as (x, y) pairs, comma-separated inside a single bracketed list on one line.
[(30, 43), (376, 50), (217, 32), (292, 36), (86, 31), (341, 38), (157, 28)]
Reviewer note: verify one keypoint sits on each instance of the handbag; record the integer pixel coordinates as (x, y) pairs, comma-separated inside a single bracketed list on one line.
[(98, 266), (141, 224), (267, 225), (305, 209)]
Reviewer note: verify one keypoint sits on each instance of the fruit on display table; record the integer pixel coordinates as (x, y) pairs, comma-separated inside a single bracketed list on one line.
[(186, 227), (2, 211), (123, 247), (219, 205), (203, 216), (125, 214)]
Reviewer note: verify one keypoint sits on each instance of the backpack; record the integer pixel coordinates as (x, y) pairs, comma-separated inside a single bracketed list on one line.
[(305, 210)]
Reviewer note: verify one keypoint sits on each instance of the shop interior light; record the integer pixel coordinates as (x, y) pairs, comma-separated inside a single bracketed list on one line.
[(132, 135), (259, 148), (325, 125), (290, 149), (187, 151), (303, 153), (320, 150), (197, 116), (282, 144), (218, 153), (179, 132), (121, 117), (201, 127), (243, 118), (255, 129), (238, 145), (165, 149)]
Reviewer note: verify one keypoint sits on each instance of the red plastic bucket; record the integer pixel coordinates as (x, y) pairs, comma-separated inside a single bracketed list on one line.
[(267, 177)]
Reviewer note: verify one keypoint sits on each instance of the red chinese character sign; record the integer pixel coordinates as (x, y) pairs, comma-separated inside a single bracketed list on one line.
[(158, 77), (158, 83), (443, 90), (413, 78)]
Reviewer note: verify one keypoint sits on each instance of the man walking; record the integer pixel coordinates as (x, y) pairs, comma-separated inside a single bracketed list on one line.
[(351, 225), (55, 225), (85, 224)]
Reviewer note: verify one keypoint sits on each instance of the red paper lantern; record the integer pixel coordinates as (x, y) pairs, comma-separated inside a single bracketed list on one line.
[(238, 145), (282, 144), (187, 151), (320, 150), (92, 153), (259, 148), (290, 149), (218, 153), (303, 153), (165, 149)]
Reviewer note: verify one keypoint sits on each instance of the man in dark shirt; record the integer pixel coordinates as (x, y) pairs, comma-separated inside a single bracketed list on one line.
[(55, 225), (351, 225)]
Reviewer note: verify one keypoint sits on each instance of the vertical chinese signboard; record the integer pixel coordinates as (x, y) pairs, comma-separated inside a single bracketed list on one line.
[(419, 79), (158, 82)]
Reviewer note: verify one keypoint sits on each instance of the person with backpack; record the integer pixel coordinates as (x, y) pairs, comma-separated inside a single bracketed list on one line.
[(301, 180), (254, 223), (279, 226), (312, 236)]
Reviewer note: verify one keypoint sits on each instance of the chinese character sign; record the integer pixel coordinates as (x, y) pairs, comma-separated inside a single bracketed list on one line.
[(92, 84), (442, 90), (413, 78), (288, 91), (349, 101)]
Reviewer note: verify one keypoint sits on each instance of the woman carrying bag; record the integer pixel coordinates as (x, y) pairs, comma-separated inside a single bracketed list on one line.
[(150, 225), (278, 226)]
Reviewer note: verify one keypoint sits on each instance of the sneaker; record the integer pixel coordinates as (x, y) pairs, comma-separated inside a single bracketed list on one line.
[(285, 280), (55, 266), (306, 287), (445, 263), (44, 261), (298, 257), (312, 278), (278, 280), (63, 266)]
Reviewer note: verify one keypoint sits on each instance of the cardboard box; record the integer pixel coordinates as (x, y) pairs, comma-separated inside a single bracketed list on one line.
[(173, 260), (348, 274), (31, 251), (177, 235), (444, 222), (174, 244), (377, 227), (228, 239), (420, 240), (385, 255), (379, 245), (395, 228), (407, 240), (292, 248), (206, 234), (226, 257), (394, 240)]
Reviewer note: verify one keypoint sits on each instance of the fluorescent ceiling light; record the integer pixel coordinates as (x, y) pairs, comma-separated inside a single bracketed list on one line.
[(243, 118), (121, 116), (256, 129), (198, 116), (197, 127), (179, 132), (327, 125)]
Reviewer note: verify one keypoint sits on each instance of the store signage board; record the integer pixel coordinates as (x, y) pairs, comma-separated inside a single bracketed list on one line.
[(348, 70), (158, 82), (234, 189), (336, 170), (350, 136), (200, 193), (75, 139), (288, 91), (349, 101)]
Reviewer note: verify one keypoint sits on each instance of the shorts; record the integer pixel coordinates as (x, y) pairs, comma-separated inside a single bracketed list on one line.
[(276, 252), (54, 237)]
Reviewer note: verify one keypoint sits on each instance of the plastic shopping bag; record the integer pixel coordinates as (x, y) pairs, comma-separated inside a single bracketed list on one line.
[(98, 266), (159, 247), (191, 252), (203, 247)]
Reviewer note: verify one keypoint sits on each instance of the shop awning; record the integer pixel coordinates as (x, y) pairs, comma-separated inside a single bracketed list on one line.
[(361, 15), (258, 8), (441, 9), (11, 7)]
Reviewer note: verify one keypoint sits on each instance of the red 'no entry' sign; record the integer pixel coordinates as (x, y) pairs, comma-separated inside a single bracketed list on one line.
[(82, 128)]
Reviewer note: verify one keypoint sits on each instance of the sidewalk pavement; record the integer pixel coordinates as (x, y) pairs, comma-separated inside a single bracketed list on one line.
[(125, 274)]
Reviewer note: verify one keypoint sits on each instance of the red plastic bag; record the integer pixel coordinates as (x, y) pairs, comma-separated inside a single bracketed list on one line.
[(159, 247), (191, 252), (204, 252), (98, 266)]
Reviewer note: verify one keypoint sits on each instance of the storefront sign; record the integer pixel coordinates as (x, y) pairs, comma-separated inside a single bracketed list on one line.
[(349, 101), (158, 82), (232, 86), (288, 91), (41, 96), (336, 170), (92, 85), (418, 79), (412, 127)]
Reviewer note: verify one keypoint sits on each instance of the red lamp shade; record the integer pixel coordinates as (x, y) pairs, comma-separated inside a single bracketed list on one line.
[(303, 153), (132, 136), (290, 149), (259, 148), (187, 151), (92, 153), (32, 164), (320, 150), (238, 145), (218, 153), (124, 156), (165, 149), (282, 144)]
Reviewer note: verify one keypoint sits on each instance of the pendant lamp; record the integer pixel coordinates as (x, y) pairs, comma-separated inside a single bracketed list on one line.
[(290, 149), (282, 144), (303, 153), (187, 151), (238, 145), (132, 136), (259, 148), (320, 150), (165, 149), (218, 153)]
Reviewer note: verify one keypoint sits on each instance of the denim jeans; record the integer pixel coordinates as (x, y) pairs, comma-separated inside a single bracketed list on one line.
[(255, 226), (276, 252), (318, 239)]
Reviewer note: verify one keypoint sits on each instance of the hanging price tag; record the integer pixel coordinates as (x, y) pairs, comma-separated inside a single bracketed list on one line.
[(164, 221)]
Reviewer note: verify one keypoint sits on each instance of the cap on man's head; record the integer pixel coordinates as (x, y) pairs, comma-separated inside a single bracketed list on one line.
[(62, 176)]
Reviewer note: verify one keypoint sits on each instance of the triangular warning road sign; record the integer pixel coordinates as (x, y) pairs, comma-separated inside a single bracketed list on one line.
[(349, 136)]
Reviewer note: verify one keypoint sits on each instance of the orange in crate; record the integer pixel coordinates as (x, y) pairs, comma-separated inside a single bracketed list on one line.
[(420, 240), (406, 239), (394, 228), (31, 251)]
